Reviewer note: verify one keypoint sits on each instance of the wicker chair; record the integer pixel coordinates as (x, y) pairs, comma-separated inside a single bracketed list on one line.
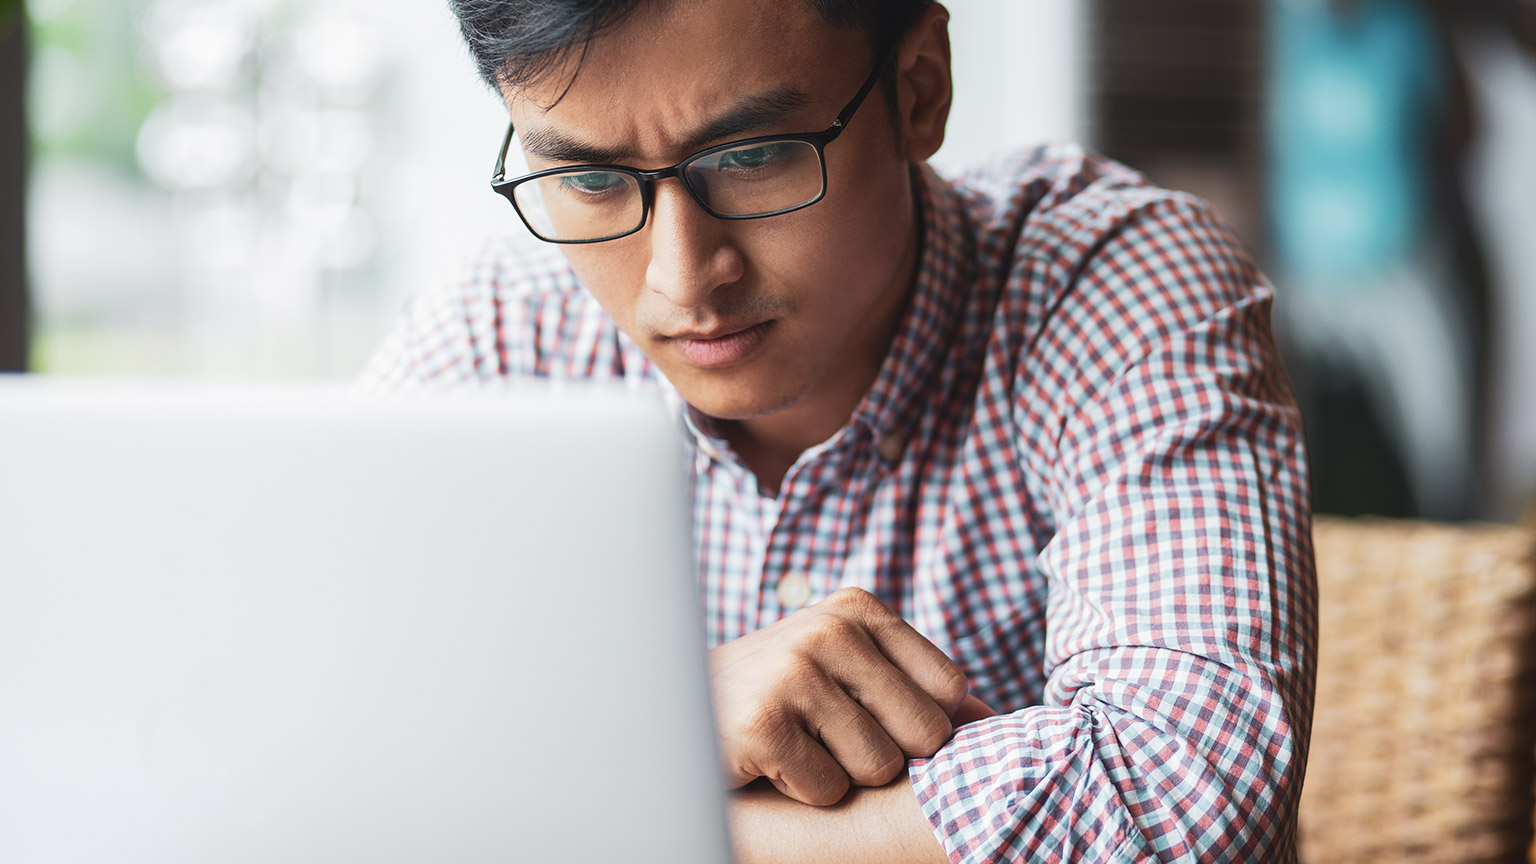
[(1425, 725)]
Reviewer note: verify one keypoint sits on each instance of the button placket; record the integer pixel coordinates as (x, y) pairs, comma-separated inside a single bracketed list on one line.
[(792, 586), (797, 580), (891, 447)]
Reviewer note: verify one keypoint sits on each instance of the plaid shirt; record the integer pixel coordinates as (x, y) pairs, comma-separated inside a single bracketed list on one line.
[(1079, 473)]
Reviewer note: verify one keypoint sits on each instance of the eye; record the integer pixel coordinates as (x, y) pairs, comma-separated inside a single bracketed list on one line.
[(752, 158), (592, 182)]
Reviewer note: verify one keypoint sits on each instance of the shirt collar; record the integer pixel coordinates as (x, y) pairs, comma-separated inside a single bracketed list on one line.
[(923, 337)]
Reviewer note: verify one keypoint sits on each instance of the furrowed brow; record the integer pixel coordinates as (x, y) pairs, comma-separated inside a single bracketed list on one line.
[(552, 145), (754, 113)]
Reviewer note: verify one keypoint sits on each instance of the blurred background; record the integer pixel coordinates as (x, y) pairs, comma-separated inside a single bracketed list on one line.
[(249, 188)]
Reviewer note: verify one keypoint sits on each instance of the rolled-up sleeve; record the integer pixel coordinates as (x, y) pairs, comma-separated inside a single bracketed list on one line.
[(1181, 601)]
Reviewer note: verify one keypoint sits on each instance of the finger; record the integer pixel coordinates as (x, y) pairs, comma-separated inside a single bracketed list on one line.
[(911, 652), (857, 741), (908, 715), (971, 710), (806, 772), (736, 776)]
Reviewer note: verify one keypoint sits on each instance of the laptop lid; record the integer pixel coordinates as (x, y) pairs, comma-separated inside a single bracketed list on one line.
[(260, 625)]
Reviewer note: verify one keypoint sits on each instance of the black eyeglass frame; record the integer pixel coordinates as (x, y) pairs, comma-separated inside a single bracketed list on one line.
[(647, 179)]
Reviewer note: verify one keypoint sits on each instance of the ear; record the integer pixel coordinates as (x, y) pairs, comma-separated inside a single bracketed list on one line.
[(924, 89)]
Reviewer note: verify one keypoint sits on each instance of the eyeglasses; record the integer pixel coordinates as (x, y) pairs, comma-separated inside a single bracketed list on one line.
[(748, 179)]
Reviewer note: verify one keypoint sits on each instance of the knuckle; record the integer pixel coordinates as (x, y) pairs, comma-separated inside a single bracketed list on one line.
[(857, 599), (798, 672), (829, 633), (766, 725), (890, 770), (737, 776), (952, 686), (829, 789), (880, 769), (933, 733)]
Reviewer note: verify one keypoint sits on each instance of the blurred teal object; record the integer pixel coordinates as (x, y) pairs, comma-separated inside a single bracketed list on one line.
[(1353, 88)]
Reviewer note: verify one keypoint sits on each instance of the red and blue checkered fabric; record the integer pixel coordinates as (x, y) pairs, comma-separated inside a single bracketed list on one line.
[(1079, 472)]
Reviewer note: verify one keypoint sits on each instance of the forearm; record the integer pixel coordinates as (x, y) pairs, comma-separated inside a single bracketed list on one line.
[(879, 826), (1183, 759)]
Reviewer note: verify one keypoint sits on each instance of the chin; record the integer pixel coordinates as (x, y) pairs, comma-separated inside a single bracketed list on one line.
[(740, 400)]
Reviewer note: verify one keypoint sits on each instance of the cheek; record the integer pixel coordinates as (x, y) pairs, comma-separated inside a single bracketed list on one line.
[(852, 236), (613, 273), (879, 205), (851, 244)]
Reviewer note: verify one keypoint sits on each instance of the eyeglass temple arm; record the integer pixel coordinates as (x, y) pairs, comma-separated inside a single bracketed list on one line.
[(501, 158), (869, 84)]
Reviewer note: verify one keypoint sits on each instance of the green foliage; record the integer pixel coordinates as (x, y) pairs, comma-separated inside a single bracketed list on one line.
[(89, 91)]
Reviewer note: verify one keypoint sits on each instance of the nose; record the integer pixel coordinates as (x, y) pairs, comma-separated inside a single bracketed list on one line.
[(691, 251)]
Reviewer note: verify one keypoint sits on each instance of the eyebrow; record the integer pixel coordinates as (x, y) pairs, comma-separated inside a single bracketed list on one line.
[(752, 113)]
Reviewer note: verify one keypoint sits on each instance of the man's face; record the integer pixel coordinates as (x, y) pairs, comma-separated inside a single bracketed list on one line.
[(745, 318)]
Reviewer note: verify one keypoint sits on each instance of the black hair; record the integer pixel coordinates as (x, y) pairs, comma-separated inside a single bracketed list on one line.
[(515, 42)]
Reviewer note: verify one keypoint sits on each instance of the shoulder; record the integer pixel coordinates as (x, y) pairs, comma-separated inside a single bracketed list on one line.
[(1082, 247), (1048, 188), (1094, 271), (511, 309), (1048, 211)]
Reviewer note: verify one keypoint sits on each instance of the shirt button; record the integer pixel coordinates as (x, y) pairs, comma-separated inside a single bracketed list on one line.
[(794, 592), (891, 447)]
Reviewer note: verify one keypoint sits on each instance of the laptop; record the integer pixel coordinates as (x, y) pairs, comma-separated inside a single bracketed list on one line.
[(268, 624)]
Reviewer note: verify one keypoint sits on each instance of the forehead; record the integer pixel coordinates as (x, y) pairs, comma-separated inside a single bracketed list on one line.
[(673, 66)]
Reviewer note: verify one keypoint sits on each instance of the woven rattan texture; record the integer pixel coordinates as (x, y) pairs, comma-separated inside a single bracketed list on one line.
[(1425, 726)]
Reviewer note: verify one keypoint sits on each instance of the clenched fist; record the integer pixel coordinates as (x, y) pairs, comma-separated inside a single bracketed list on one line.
[(838, 693)]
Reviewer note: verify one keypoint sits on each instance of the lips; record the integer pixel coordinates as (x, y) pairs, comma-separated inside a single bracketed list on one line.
[(723, 346)]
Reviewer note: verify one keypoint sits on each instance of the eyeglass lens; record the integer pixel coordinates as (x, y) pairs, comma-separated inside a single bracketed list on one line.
[(751, 180)]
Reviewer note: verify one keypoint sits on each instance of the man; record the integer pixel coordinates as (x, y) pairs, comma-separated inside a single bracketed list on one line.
[(1022, 436)]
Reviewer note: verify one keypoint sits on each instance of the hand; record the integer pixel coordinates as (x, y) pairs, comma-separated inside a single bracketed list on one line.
[(839, 693), (971, 710)]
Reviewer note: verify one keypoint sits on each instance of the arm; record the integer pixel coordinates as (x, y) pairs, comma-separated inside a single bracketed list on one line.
[(1181, 608), (881, 825), (1180, 615)]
